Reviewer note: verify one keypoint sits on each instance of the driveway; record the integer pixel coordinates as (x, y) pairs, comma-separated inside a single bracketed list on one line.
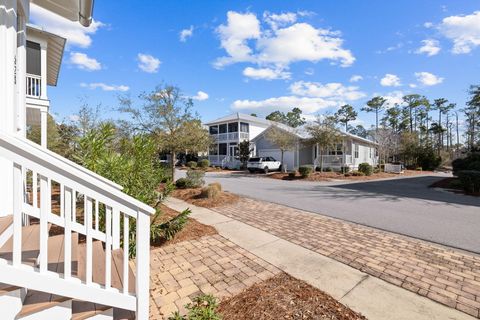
[(405, 206)]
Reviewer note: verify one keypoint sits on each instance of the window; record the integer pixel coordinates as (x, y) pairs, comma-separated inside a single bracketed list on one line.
[(356, 151), (338, 150), (233, 127), (213, 150), (213, 129), (222, 128), (244, 127), (33, 58), (222, 149)]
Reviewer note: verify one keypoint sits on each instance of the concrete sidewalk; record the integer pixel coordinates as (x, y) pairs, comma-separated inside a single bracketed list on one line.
[(374, 298)]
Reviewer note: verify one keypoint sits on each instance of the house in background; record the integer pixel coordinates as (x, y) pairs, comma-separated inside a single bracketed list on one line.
[(350, 153), (229, 131), (64, 230)]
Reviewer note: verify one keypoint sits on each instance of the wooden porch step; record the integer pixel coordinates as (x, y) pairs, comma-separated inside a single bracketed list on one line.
[(83, 310), (6, 288), (5, 222), (36, 301), (30, 245)]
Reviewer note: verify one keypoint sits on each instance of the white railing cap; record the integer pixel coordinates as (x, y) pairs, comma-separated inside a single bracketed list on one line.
[(69, 167)]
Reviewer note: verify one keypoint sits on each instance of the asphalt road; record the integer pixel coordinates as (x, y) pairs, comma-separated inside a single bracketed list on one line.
[(405, 206)]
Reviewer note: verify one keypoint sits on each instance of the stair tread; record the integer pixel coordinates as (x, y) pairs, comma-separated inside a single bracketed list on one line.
[(6, 288), (98, 266), (5, 222), (84, 310), (30, 245)]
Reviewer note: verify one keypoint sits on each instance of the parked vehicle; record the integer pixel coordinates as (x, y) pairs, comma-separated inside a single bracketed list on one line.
[(264, 164)]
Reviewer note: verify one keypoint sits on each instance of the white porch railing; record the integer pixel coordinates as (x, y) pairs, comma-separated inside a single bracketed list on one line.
[(34, 86), (244, 136), (38, 170), (333, 160)]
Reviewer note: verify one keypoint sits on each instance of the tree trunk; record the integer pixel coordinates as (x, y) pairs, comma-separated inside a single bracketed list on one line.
[(283, 165), (172, 163)]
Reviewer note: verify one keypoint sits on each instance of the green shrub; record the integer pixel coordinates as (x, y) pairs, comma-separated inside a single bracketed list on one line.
[(305, 171), (318, 168), (471, 162), (181, 183), (428, 159), (216, 185), (357, 173), (470, 180), (328, 169), (168, 229), (191, 164), (204, 307), (376, 170), (365, 168), (419, 169), (204, 163), (345, 169), (292, 174), (195, 178)]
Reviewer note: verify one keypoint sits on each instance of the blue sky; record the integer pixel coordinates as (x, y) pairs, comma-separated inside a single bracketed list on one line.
[(260, 56)]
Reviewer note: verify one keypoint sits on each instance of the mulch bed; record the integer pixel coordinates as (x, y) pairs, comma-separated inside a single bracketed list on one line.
[(284, 297), (329, 176), (192, 230), (449, 183), (193, 196)]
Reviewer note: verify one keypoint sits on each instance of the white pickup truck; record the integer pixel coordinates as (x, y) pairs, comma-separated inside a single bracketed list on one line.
[(264, 164)]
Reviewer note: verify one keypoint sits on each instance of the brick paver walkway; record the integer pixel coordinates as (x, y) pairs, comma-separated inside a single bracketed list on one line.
[(210, 265), (446, 276)]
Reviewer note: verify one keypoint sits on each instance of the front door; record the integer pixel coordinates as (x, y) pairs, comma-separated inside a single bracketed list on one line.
[(233, 150)]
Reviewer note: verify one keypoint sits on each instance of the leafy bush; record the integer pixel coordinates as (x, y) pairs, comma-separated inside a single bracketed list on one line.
[(345, 169), (365, 168), (328, 169), (195, 179), (305, 171), (357, 173), (428, 159), (292, 174), (167, 230), (191, 164), (204, 163), (471, 162), (470, 180), (181, 183), (376, 170), (204, 307), (216, 185)]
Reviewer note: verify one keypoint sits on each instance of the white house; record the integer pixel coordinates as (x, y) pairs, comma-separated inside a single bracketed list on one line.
[(230, 130), (82, 270), (352, 151)]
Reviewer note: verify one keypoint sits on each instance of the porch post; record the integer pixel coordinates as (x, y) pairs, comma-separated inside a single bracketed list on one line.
[(21, 120), (43, 71), (8, 94), (43, 127)]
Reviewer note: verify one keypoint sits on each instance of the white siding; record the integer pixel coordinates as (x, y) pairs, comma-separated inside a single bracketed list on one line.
[(256, 129)]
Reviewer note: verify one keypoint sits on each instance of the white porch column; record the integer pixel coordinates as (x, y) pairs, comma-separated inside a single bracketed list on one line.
[(43, 71), (21, 76), (43, 127), (8, 95)]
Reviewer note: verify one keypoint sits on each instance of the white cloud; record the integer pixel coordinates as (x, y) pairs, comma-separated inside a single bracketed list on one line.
[(412, 85), (356, 78), (148, 63), (393, 98), (309, 72), (334, 90), (76, 34), (428, 79), (390, 80), (428, 25), (201, 96), (279, 20), (310, 97), (430, 47), (186, 33), (105, 87), (281, 42), (464, 31), (84, 62), (265, 73)]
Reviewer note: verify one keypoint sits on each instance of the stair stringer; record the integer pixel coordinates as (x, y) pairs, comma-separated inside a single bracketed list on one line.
[(12, 302)]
